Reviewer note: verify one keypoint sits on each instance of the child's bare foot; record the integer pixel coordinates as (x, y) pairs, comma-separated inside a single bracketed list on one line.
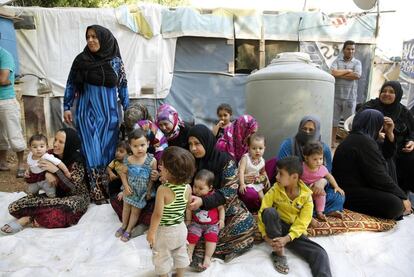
[(336, 214), (207, 262), (320, 216)]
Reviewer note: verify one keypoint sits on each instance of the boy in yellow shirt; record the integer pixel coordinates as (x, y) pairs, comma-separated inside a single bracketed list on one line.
[(284, 216)]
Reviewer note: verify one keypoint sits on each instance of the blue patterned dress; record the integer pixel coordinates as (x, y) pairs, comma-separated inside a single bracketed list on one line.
[(138, 178), (97, 122)]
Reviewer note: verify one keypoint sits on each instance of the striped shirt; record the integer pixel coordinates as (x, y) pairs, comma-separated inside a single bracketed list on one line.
[(346, 89), (174, 212)]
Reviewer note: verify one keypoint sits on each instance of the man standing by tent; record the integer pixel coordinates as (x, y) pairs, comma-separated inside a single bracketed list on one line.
[(10, 129), (346, 70)]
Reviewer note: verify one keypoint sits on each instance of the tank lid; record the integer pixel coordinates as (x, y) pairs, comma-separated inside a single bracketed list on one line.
[(292, 57), (291, 66)]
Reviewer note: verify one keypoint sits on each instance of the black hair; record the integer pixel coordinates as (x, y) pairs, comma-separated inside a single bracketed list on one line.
[(206, 176), (123, 144), (291, 164), (180, 163), (226, 107), (37, 137), (348, 42), (312, 148), (255, 136)]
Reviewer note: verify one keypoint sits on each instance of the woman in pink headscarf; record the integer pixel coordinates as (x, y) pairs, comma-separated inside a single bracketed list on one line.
[(172, 126), (234, 139), (234, 142)]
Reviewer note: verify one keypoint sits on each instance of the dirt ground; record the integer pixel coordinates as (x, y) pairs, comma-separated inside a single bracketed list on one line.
[(8, 180)]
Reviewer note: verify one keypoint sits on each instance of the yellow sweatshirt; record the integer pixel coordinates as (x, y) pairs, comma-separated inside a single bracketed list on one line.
[(297, 212)]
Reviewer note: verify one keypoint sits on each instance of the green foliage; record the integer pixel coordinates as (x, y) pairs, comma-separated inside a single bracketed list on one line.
[(59, 3), (94, 3)]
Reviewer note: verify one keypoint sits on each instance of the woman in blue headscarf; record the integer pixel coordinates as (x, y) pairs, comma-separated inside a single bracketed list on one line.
[(310, 131), (360, 168), (97, 79)]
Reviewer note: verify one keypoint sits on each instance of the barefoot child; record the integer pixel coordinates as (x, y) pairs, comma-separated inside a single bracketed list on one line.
[(115, 167), (224, 113), (35, 176), (167, 235), (252, 164), (206, 223), (284, 216), (313, 171), (137, 183)]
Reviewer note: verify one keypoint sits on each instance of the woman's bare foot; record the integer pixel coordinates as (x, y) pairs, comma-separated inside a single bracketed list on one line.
[(207, 262), (321, 216), (336, 214)]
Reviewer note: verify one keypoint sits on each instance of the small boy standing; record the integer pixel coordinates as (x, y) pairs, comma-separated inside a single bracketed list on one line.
[(284, 216), (167, 234)]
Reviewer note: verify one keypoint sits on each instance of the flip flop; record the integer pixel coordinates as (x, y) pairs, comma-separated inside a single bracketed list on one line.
[(125, 236), (15, 227), (280, 263), (119, 232), (197, 267), (4, 167), (20, 173)]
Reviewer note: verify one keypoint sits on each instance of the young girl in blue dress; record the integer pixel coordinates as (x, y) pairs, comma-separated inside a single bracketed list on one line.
[(136, 180)]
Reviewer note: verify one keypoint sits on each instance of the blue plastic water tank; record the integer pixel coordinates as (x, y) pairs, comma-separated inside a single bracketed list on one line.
[(8, 39)]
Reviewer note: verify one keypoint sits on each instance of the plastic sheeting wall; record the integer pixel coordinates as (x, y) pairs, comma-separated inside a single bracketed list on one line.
[(201, 81)]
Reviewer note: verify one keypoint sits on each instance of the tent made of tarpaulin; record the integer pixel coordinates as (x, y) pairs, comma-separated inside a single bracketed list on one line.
[(192, 59)]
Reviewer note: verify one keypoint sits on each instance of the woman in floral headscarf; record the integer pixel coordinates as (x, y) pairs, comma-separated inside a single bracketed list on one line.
[(234, 140), (172, 126)]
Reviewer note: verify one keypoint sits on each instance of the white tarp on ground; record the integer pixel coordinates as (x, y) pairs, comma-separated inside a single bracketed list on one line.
[(90, 249), (49, 50)]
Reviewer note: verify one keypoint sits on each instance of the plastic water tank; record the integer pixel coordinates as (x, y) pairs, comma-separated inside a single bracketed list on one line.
[(279, 95), (8, 39)]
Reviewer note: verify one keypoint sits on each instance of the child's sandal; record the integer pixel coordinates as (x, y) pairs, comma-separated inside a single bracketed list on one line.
[(126, 236), (119, 232)]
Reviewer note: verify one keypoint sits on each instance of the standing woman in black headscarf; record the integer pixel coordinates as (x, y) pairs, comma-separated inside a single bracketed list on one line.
[(389, 104), (97, 78), (360, 168)]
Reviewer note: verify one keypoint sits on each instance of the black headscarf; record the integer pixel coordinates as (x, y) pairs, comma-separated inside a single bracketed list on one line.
[(368, 122), (213, 160), (71, 152), (391, 110), (95, 68)]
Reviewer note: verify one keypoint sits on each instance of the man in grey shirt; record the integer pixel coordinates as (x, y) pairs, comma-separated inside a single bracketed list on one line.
[(346, 70)]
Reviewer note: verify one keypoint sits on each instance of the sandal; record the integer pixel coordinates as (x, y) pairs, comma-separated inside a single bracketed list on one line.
[(20, 173), (119, 232), (15, 227), (4, 167), (280, 263), (197, 267), (125, 236), (101, 202)]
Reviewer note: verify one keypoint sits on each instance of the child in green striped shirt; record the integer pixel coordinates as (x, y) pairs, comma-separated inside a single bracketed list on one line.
[(167, 235)]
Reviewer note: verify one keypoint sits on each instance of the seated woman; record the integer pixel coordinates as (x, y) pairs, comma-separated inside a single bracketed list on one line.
[(388, 103), (310, 131), (172, 126), (72, 198), (237, 235), (234, 139), (360, 169)]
